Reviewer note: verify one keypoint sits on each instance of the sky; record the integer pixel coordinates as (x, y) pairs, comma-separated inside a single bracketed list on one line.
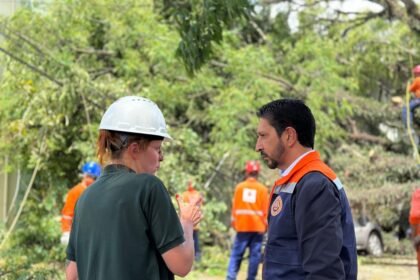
[(355, 6), (346, 5)]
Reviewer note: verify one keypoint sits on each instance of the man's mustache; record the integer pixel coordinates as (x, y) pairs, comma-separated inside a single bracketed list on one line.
[(263, 154)]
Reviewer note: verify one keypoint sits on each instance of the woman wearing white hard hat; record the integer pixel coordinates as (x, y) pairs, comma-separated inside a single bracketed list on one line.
[(125, 226)]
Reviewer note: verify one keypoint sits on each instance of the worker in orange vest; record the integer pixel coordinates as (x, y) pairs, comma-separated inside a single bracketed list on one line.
[(191, 194), (249, 219), (414, 219), (414, 89), (90, 170)]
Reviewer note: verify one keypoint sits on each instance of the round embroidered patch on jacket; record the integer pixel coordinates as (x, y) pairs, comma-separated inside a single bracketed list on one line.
[(276, 206)]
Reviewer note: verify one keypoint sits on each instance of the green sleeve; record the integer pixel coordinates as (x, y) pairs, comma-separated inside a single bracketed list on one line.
[(71, 256), (165, 227)]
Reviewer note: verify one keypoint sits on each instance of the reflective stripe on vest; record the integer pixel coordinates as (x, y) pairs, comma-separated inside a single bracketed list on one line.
[(249, 212), (290, 187)]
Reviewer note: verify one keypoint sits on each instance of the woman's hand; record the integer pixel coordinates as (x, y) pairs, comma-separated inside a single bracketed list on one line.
[(190, 212)]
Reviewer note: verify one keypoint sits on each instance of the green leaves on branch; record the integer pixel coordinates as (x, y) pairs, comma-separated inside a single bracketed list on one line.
[(202, 25)]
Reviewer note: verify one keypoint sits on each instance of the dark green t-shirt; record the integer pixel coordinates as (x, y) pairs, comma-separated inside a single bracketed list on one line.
[(123, 223)]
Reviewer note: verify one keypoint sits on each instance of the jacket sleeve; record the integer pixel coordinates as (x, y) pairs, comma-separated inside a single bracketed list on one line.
[(318, 225)]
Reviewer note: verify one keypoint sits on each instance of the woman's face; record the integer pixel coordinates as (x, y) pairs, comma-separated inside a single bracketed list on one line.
[(150, 157)]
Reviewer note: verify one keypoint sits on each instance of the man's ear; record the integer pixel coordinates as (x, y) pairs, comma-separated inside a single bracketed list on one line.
[(291, 136)]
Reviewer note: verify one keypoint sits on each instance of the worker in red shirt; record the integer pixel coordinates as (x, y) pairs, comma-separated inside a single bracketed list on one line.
[(414, 89), (249, 219), (90, 170), (191, 194)]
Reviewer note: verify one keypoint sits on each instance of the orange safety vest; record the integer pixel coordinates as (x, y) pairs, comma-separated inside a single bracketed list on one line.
[(68, 210), (249, 206), (190, 195), (415, 87)]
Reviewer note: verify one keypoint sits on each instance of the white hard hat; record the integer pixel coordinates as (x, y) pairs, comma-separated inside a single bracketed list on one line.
[(135, 114)]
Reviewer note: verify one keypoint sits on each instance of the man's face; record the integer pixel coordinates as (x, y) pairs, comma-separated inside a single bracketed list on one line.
[(269, 144)]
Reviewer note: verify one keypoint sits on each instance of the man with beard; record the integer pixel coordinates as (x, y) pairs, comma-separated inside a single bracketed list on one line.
[(310, 226)]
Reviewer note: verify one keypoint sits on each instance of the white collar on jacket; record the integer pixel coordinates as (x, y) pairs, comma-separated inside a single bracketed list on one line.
[(288, 169)]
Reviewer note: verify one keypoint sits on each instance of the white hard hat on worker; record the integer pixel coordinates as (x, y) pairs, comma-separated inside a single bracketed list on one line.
[(133, 114), (131, 133)]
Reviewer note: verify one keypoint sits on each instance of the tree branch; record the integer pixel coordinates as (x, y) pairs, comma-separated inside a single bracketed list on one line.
[(283, 82), (259, 31), (362, 20), (405, 11), (27, 40), (94, 51), (363, 136), (32, 67), (219, 165), (100, 72), (287, 85), (40, 49)]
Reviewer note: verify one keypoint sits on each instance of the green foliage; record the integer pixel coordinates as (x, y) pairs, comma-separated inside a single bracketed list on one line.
[(379, 183), (397, 247), (213, 263), (19, 268), (34, 251), (201, 25), (74, 59)]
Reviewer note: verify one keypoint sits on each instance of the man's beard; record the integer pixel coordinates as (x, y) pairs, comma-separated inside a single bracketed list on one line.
[(271, 163)]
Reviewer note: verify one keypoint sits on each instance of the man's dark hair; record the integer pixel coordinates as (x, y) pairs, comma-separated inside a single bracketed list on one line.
[(283, 113)]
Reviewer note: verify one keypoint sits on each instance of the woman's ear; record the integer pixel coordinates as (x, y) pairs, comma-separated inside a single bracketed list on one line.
[(133, 150)]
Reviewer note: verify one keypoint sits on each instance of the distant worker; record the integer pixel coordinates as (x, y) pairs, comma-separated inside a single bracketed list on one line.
[(414, 89), (310, 226), (90, 170), (249, 219), (188, 196), (414, 220)]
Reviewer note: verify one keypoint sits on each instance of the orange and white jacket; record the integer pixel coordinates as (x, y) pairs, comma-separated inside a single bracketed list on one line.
[(249, 206), (72, 196)]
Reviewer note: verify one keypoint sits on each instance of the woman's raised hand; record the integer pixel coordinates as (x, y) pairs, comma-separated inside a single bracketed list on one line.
[(190, 211)]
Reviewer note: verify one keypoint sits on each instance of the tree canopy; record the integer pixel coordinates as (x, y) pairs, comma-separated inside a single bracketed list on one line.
[(209, 66)]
